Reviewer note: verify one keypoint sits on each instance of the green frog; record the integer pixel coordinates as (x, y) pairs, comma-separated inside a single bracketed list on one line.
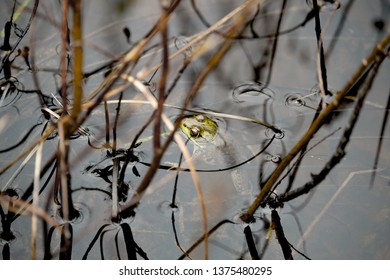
[(216, 147)]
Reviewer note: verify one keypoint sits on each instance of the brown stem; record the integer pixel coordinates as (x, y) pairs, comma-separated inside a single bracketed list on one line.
[(78, 59), (64, 47)]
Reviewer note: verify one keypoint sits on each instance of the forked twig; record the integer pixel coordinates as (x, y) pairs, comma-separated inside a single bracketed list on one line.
[(340, 150), (315, 126)]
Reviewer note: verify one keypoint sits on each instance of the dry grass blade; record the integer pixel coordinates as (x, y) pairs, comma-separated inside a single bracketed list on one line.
[(197, 38), (330, 202), (30, 151)]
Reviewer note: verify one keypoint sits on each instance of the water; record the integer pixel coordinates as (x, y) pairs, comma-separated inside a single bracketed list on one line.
[(345, 217)]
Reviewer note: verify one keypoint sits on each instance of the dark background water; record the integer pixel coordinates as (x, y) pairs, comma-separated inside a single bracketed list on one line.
[(345, 217)]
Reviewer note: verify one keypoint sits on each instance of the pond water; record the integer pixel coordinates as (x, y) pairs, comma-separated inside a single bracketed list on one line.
[(264, 94)]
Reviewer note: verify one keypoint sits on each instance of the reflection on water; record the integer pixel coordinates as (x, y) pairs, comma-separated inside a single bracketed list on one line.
[(260, 92), (94, 196)]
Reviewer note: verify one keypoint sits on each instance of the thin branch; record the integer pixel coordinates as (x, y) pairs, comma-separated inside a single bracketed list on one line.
[(275, 43), (340, 151), (315, 126), (380, 141), (330, 202), (203, 238), (115, 168), (34, 220)]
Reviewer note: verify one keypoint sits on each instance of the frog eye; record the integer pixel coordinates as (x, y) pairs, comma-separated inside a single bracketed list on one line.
[(195, 131), (200, 118)]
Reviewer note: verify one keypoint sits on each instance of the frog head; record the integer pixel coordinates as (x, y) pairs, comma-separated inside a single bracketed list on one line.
[(199, 128)]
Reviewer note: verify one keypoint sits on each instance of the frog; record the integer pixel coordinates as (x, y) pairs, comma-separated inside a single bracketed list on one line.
[(215, 146)]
